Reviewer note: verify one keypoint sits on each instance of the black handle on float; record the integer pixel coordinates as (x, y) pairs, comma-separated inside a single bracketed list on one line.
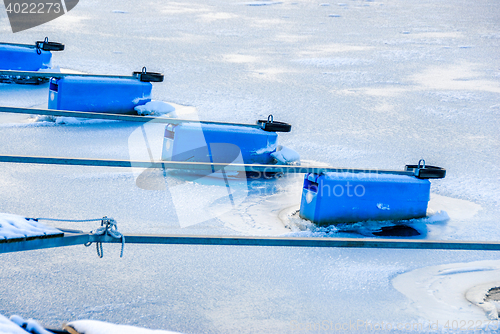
[(146, 76), (423, 171), (273, 126), (45, 45)]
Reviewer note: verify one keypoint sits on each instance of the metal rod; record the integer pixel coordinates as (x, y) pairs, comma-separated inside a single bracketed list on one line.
[(304, 242), (70, 239), (285, 169), (32, 243), (30, 46), (116, 117), (58, 75)]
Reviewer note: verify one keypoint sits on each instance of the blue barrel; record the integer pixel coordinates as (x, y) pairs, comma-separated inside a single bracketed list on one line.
[(332, 198), (103, 95), (18, 58), (214, 143)]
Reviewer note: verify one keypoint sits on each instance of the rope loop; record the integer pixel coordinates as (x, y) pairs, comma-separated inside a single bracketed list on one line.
[(108, 227), (421, 163)]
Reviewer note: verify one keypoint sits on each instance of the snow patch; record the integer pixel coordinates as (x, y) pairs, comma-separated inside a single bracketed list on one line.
[(478, 295), (456, 208), (263, 3), (14, 226), (286, 156), (53, 69), (30, 325), (304, 228), (439, 297), (268, 149), (69, 120), (461, 76), (383, 206), (156, 108), (101, 327), (8, 327), (331, 62)]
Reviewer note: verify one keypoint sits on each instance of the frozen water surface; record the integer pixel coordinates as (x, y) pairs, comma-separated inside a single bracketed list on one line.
[(382, 85)]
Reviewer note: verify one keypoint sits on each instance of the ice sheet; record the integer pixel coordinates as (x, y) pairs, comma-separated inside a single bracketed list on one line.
[(365, 84)]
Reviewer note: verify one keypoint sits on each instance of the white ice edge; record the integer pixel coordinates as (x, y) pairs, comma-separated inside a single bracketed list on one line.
[(438, 293)]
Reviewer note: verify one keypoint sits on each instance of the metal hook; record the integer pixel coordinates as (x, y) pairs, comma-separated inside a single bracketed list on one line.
[(270, 119), (421, 162)]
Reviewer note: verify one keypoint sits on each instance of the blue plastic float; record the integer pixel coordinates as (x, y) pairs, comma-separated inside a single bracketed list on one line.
[(98, 94), (197, 142), (113, 94), (348, 197), (214, 143), (24, 57)]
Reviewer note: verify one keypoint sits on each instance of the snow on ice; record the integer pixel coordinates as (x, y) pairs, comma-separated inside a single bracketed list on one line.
[(157, 108), (18, 325), (14, 226), (286, 156), (445, 292), (100, 327), (9, 327)]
